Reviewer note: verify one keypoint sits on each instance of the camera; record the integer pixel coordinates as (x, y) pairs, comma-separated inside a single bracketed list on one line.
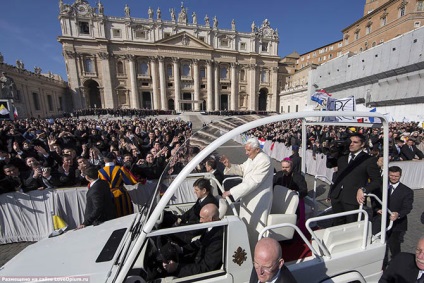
[(45, 169)]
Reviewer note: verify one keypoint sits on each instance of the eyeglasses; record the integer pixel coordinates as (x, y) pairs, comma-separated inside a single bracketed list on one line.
[(419, 251), (266, 269)]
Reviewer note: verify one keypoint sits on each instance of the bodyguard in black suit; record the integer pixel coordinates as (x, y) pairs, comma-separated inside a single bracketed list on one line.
[(411, 152), (406, 267), (100, 206), (357, 173), (268, 264), (400, 203)]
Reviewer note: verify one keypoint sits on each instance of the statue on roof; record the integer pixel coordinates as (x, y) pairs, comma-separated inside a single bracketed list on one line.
[(172, 11), (215, 22), (194, 16), (1, 58), (100, 8), (233, 25), (127, 11), (158, 13), (253, 26), (182, 16), (150, 13), (207, 21)]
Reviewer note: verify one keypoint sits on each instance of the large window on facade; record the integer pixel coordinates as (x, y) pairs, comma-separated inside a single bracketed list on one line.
[(143, 68), (368, 29), (84, 28), (169, 71), (224, 42), (140, 34), (223, 72), (202, 73), (186, 70), (383, 21), (89, 65), (50, 102), (36, 100), (264, 76), (120, 68), (357, 35), (402, 11), (264, 46), (116, 33), (243, 75), (420, 5)]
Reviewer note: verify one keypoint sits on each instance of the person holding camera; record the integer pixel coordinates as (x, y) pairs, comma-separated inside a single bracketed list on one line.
[(41, 178), (357, 173)]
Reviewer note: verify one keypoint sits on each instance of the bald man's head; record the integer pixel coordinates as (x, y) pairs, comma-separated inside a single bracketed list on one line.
[(209, 213), (267, 259)]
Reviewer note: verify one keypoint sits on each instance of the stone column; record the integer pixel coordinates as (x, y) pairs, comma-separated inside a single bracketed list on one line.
[(196, 84), (162, 79), (109, 101), (74, 82), (274, 89), (177, 85), (209, 79), (234, 86), (253, 92), (216, 86), (155, 82), (134, 97)]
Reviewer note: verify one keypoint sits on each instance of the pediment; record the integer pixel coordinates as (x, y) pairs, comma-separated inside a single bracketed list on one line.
[(184, 39)]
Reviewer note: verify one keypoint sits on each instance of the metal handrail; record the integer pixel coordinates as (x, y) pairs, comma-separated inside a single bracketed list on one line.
[(334, 215)]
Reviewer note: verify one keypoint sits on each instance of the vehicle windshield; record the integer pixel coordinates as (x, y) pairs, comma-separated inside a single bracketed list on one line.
[(185, 153)]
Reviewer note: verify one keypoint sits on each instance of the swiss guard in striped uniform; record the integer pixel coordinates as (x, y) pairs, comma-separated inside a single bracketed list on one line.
[(117, 176)]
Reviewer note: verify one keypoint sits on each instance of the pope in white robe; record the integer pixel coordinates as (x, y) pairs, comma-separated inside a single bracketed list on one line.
[(255, 191)]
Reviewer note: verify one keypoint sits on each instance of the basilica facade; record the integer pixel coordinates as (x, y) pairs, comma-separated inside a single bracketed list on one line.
[(167, 62)]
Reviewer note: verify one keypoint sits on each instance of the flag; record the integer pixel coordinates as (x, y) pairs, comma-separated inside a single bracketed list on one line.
[(15, 114), (272, 145), (59, 225), (342, 104), (261, 142), (320, 97), (3, 110)]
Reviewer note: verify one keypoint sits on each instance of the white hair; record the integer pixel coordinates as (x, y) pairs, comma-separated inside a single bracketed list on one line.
[(253, 142)]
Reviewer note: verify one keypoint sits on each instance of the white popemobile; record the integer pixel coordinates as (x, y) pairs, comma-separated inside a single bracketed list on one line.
[(124, 249)]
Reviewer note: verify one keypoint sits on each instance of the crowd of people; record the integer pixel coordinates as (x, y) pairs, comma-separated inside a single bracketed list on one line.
[(46, 153), (406, 139)]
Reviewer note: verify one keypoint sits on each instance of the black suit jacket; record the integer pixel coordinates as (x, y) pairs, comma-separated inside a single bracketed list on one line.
[(285, 276), (402, 269), (206, 252), (410, 154), (100, 206), (219, 176), (362, 172), (295, 181), (394, 153), (401, 201), (192, 216)]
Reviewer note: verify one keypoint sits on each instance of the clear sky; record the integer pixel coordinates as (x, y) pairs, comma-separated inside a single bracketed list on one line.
[(29, 28)]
